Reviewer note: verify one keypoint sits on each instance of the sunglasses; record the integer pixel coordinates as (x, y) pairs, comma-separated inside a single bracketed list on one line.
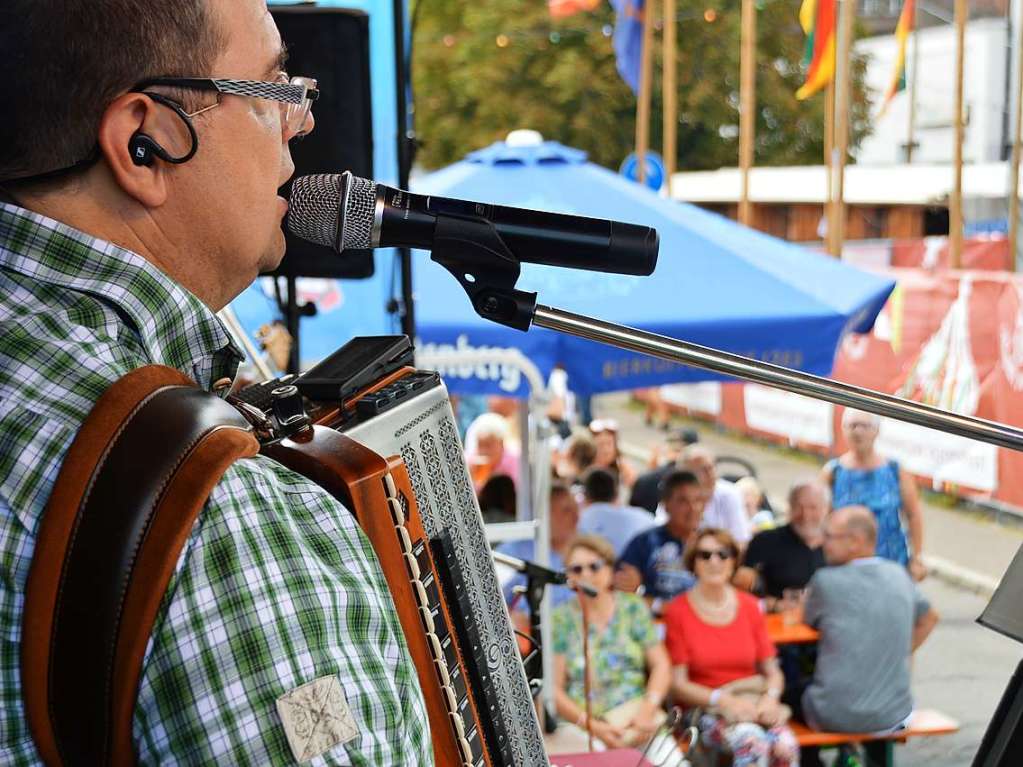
[(705, 556), (594, 567)]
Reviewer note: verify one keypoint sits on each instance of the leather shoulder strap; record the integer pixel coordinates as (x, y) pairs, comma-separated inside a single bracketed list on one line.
[(130, 488)]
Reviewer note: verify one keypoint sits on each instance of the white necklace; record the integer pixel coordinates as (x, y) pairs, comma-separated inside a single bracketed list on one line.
[(721, 607)]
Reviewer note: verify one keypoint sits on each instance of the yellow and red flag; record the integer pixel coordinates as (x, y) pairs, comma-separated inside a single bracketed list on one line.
[(902, 30), (817, 17)]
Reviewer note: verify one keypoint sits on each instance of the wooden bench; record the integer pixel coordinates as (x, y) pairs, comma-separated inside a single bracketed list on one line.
[(925, 723)]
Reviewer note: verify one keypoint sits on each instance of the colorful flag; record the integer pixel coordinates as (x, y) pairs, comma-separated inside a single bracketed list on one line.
[(628, 40), (817, 18), (561, 9), (905, 26)]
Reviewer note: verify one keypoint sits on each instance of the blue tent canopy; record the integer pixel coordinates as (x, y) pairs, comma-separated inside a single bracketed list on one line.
[(717, 283)]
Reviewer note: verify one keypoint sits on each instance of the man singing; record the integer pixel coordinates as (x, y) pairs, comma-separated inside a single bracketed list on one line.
[(138, 196)]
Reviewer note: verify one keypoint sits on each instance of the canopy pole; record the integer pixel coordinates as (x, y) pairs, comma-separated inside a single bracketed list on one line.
[(1013, 191), (955, 218), (818, 387), (843, 100), (829, 165), (747, 104), (645, 87), (911, 133), (670, 116)]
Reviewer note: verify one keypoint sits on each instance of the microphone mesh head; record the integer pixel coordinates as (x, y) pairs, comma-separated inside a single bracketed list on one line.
[(313, 208), (359, 201), (333, 210)]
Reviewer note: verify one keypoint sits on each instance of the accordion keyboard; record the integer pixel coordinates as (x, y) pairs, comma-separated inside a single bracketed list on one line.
[(461, 610)]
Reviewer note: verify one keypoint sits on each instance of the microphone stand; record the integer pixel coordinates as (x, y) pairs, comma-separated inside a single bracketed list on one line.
[(538, 578), (471, 249), (587, 692)]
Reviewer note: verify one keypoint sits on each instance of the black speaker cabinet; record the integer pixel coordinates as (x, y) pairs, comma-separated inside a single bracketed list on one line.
[(331, 45)]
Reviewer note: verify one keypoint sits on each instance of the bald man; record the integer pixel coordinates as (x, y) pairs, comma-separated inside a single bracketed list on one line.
[(871, 618)]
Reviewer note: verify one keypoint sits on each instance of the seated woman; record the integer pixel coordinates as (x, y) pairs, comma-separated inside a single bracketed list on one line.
[(724, 661), (629, 668)]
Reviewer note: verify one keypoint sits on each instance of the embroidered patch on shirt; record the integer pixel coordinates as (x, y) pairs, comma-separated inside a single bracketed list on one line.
[(316, 718)]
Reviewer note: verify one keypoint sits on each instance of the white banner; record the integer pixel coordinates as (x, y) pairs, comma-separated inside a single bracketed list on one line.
[(942, 457), (800, 419), (698, 398)]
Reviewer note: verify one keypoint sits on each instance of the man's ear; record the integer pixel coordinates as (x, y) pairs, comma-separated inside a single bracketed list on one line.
[(128, 129)]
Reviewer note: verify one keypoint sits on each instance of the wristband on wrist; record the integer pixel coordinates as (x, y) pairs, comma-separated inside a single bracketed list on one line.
[(653, 698), (773, 692), (715, 696)]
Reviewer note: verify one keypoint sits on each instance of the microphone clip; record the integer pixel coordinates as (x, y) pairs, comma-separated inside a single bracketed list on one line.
[(472, 250)]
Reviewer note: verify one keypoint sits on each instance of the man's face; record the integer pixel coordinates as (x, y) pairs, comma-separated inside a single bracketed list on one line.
[(226, 196), (491, 447), (684, 508), (807, 514), (860, 431), (564, 517), (702, 466), (837, 542)]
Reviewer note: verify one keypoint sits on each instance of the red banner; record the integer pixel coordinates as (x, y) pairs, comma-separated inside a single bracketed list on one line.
[(951, 339)]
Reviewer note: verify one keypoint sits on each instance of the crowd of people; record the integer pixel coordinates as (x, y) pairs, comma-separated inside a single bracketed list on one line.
[(682, 565)]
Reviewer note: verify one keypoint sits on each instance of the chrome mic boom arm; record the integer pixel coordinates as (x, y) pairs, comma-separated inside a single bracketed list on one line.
[(779, 377)]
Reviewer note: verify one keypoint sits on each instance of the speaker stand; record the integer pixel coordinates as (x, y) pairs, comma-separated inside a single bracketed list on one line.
[(293, 312)]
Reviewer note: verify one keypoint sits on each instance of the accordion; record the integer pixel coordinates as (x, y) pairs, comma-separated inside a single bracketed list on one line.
[(383, 441), (391, 451)]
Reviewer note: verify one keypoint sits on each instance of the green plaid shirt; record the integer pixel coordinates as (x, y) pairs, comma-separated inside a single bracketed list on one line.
[(276, 587)]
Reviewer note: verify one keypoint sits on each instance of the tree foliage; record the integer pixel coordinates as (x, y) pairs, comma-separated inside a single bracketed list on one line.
[(484, 68)]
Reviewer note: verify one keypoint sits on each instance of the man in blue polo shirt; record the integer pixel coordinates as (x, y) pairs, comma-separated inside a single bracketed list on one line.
[(653, 559), (605, 517)]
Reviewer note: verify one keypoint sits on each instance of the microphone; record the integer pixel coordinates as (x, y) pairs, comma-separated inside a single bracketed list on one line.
[(345, 212), (585, 588)]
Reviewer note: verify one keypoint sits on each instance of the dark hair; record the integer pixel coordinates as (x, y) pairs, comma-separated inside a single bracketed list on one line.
[(66, 61), (497, 497), (582, 451), (723, 537), (600, 485), (676, 479)]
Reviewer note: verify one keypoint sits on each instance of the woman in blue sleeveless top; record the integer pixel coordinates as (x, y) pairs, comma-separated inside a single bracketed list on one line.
[(863, 477)]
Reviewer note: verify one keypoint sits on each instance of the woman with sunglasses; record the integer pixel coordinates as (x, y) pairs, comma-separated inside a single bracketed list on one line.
[(723, 661), (605, 435), (629, 671)]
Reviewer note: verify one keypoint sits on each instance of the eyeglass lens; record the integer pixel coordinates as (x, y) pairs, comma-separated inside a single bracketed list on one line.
[(296, 116)]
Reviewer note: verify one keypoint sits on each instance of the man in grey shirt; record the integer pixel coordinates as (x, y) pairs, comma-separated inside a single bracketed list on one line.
[(871, 618)]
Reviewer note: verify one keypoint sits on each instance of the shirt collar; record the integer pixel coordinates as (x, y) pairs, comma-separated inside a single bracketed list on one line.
[(175, 327), (864, 560)]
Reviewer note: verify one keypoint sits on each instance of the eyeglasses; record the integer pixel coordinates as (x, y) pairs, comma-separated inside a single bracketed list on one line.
[(295, 97), (705, 555), (595, 567)]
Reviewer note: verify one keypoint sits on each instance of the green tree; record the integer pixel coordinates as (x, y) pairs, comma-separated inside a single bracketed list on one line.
[(482, 69)]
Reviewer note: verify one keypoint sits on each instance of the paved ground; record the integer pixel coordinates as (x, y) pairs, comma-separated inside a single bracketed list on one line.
[(963, 668)]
